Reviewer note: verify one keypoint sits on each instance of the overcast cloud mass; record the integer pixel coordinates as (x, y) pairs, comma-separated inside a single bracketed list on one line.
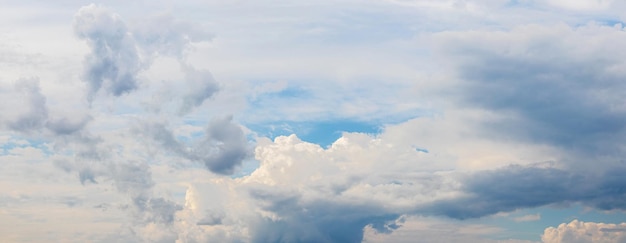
[(326, 121)]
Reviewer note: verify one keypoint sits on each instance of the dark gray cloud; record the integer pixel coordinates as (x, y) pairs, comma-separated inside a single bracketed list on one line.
[(114, 60), (221, 150), (517, 187), (324, 220), (556, 85), (224, 148)]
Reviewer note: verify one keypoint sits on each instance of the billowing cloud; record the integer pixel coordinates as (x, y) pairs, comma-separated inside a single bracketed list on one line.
[(119, 53), (114, 61), (583, 232)]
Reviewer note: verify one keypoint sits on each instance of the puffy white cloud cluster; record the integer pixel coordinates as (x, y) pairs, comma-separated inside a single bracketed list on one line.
[(579, 232)]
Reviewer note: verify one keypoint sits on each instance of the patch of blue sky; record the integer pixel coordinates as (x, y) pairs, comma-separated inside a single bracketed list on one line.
[(247, 167), (612, 22), (290, 92), (323, 133), (19, 142), (419, 149)]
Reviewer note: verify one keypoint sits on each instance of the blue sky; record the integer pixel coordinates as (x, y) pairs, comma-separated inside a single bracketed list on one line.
[(325, 121)]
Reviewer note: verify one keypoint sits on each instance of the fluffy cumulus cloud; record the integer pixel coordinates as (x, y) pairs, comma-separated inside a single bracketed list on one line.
[(579, 231), (478, 123)]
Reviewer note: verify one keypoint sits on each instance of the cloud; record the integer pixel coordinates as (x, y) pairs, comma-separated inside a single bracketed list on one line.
[(579, 231), (517, 117), (516, 187), (222, 148), (26, 111), (555, 84), (119, 53), (582, 5), (527, 218), (200, 86), (114, 61), (33, 113), (165, 35)]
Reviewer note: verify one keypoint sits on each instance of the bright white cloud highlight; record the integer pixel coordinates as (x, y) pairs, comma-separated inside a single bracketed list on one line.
[(585, 232)]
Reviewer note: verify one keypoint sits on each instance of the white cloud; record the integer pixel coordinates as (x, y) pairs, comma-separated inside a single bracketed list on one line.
[(579, 232), (527, 218)]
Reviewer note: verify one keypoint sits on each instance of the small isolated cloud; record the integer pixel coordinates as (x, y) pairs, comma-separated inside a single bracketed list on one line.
[(527, 218), (585, 232)]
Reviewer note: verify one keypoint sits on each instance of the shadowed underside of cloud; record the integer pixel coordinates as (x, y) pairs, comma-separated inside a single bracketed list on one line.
[(315, 221), (517, 187)]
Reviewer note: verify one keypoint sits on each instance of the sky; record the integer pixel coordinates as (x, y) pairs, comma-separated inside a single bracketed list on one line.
[(313, 121)]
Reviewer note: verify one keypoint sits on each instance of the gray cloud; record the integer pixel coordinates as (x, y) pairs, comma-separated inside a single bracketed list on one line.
[(114, 60), (34, 111), (324, 220), (224, 148), (518, 187), (200, 86), (557, 85), (221, 150), (65, 126), (30, 115)]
